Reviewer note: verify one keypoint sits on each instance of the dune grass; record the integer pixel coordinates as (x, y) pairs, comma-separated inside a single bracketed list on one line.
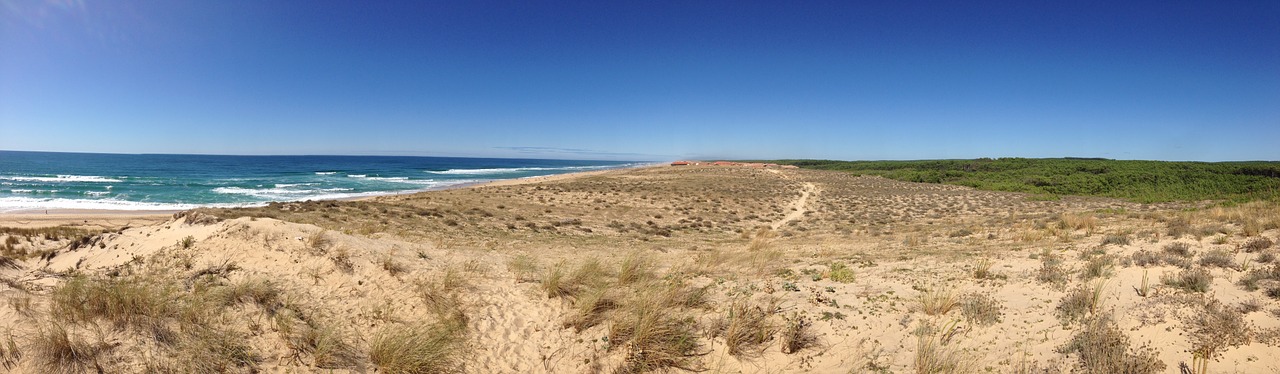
[(420, 348)]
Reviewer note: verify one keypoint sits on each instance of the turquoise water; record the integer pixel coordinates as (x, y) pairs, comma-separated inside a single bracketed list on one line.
[(44, 180)]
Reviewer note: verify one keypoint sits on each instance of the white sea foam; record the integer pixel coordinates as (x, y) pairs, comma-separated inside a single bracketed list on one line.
[(277, 192), (63, 179), (356, 175), (22, 191), (97, 193), (526, 169), (12, 204), (326, 172)]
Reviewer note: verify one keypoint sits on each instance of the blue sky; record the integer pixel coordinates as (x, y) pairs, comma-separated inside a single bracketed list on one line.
[(653, 80)]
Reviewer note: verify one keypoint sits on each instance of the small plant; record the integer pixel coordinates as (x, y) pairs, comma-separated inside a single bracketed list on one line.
[(797, 336), (1080, 302), (1103, 348), (937, 301), (634, 268), (395, 268), (1051, 270), (55, 349), (589, 309), (981, 309), (1178, 249), (1145, 258), (841, 273), (1098, 266), (342, 260), (1218, 258), (1213, 330), (1116, 239), (522, 268), (934, 356), (1195, 280), (1250, 281), (746, 329), (1257, 244), (1145, 289), (187, 242), (319, 241), (982, 270)]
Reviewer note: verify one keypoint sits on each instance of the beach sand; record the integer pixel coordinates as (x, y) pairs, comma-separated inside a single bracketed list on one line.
[(724, 269)]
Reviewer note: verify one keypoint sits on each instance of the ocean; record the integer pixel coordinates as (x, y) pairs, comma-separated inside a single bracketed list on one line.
[(45, 180)]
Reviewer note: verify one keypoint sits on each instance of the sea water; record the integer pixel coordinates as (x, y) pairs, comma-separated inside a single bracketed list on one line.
[(44, 180)]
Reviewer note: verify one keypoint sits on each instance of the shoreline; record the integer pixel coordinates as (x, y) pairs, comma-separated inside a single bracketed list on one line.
[(105, 218)]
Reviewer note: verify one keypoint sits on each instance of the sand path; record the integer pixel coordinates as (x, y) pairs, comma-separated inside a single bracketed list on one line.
[(798, 207)]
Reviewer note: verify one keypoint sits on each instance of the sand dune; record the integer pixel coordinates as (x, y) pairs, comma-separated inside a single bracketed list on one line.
[(708, 268)]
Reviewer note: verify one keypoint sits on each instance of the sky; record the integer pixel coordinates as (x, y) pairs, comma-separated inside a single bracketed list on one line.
[(645, 80)]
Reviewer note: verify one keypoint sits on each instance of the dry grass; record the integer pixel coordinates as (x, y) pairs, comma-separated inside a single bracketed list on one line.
[(441, 293), (634, 267), (258, 291), (209, 350), (590, 307), (982, 270), (132, 302), (393, 267), (420, 348), (797, 334), (934, 355), (327, 344), (654, 338), (937, 301), (10, 353), (319, 242), (56, 349), (746, 329), (523, 268), (1081, 221), (1214, 329), (341, 258)]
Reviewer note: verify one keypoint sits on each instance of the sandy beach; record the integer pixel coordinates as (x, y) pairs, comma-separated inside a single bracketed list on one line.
[(718, 269)]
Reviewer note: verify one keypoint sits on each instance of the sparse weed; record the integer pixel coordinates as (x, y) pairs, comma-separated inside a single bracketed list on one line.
[(841, 273), (981, 309), (1195, 280), (1103, 348)]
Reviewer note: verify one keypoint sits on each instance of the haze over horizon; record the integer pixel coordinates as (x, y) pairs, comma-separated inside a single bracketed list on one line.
[(644, 81)]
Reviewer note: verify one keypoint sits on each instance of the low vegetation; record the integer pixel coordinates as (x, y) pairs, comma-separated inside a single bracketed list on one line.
[(1141, 181)]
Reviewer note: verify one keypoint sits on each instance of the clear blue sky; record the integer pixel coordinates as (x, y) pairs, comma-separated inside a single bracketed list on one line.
[(657, 80)]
